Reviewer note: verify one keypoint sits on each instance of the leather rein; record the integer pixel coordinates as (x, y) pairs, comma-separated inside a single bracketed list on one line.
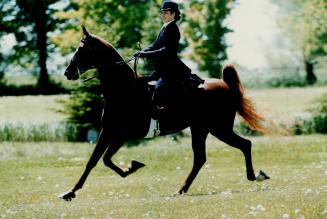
[(136, 60)]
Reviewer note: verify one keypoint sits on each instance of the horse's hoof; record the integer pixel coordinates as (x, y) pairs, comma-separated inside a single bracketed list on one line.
[(178, 193), (135, 165), (181, 191), (262, 176), (67, 196), (251, 176)]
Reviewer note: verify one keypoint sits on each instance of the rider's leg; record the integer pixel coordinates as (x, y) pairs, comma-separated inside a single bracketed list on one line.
[(158, 99)]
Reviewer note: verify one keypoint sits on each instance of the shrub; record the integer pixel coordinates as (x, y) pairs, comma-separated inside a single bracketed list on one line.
[(301, 125), (37, 132), (319, 113), (84, 108), (244, 129)]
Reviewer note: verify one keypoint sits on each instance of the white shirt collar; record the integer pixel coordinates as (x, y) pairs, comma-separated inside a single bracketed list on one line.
[(166, 24)]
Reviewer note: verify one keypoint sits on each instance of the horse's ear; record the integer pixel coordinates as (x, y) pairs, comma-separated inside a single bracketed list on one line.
[(85, 31)]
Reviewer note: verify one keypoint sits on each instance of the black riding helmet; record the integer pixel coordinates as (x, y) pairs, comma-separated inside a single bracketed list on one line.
[(171, 6)]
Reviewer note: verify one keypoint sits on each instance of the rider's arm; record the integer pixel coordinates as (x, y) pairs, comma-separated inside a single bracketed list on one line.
[(169, 50), (152, 47)]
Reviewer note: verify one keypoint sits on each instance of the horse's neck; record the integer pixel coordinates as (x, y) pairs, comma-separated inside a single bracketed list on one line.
[(116, 80)]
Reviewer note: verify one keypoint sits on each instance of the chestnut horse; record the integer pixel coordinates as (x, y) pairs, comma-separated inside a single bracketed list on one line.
[(211, 108)]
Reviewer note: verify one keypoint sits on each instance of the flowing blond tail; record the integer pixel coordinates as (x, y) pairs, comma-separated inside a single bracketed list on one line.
[(245, 107)]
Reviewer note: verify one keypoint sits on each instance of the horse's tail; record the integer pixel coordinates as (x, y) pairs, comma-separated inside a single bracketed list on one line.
[(244, 105)]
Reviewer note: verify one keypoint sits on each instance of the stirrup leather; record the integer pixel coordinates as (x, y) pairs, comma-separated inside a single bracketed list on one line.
[(154, 130)]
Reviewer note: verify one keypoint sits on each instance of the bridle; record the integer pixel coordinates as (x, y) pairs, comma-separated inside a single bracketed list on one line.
[(80, 72)]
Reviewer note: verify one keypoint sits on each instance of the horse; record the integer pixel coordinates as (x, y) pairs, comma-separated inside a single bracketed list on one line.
[(210, 108)]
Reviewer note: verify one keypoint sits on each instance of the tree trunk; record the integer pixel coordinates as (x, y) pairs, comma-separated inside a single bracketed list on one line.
[(41, 31), (311, 77)]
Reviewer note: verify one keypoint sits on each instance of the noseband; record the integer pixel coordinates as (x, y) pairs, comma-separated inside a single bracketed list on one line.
[(79, 71)]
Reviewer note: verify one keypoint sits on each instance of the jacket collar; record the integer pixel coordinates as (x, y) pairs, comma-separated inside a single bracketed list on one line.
[(166, 24)]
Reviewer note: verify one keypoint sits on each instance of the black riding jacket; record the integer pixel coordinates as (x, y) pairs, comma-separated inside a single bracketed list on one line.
[(163, 52)]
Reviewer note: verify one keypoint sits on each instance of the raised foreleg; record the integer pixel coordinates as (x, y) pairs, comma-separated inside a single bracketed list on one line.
[(112, 149)]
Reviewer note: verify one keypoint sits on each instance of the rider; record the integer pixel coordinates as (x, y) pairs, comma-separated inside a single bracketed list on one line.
[(170, 72)]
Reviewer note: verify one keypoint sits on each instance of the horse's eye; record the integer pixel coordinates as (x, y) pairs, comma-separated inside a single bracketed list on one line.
[(84, 46)]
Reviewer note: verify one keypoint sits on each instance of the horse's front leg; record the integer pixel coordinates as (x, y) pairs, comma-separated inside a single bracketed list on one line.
[(112, 150), (199, 151), (99, 149)]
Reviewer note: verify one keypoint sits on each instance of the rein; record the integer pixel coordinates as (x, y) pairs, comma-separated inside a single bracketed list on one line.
[(136, 59)]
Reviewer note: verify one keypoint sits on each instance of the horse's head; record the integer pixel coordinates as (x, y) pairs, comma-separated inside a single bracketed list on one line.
[(88, 55)]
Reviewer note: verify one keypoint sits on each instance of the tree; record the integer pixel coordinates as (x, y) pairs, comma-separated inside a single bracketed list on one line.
[(119, 22), (206, 31), (305, 24), (30, 21)]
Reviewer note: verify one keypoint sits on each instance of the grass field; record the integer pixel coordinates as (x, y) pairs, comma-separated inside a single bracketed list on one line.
[(285, 103), (34, 174), (31, 109)]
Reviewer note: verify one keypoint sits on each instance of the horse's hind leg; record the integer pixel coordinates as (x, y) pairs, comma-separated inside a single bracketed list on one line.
[(112, 149), (199, 150), (242, 144)]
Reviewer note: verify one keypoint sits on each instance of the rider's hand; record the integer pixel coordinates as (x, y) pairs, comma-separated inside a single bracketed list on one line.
[(136, 54), (139, 54)]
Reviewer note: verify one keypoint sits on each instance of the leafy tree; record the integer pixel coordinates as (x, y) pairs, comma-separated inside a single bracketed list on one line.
[(119, 22), (30, 21), (305, 23), (206, 31)]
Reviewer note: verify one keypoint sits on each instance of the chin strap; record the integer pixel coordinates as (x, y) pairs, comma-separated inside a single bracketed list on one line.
[(90, 78)]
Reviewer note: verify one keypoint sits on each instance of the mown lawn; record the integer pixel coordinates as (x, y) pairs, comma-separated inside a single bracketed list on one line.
[(31, 109), (286, 103), (32, 175)]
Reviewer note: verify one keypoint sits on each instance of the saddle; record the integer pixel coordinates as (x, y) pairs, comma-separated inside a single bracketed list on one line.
[(173, 116)]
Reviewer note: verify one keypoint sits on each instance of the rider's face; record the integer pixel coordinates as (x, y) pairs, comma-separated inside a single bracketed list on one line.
[(167, 16)]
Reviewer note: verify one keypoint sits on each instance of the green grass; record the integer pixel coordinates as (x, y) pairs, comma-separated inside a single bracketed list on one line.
[(285, 102), (31, 109), (34, 174), (27, 79)]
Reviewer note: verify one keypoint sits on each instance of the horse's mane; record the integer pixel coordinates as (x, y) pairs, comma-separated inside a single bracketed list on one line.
[(117, 55), (102, 41)]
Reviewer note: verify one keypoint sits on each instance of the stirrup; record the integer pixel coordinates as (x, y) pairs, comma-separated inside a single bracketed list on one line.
[(153, 129), (152, 83)]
